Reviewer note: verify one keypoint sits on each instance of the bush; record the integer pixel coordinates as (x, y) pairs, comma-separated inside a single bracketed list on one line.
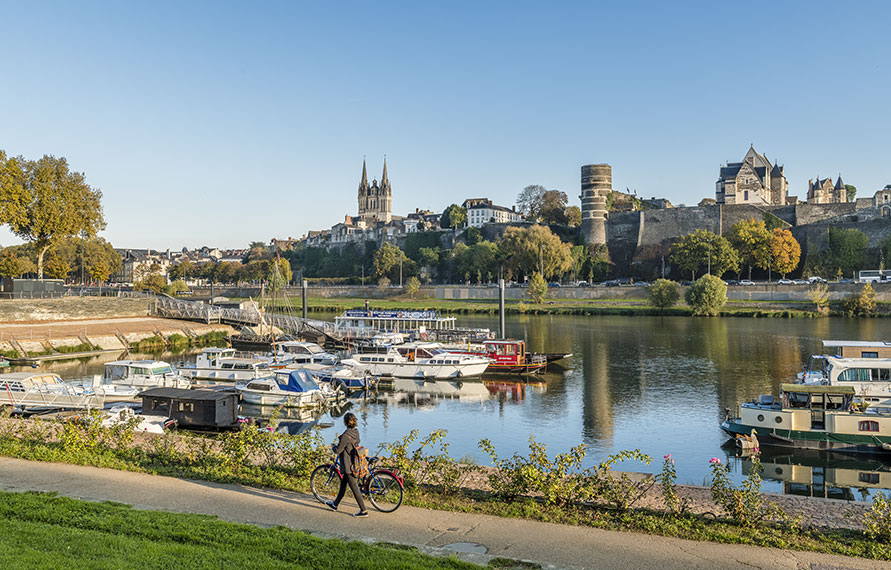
[(663, 294), (412, 286), (383, 283), (819, 296), (152, 282), (861, 304), (422, 467), (745, 505), (538, 288), (706, 296), (877, 520)]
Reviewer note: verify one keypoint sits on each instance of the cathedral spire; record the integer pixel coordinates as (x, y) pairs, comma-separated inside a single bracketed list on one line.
[(385, 182), (363, 185)]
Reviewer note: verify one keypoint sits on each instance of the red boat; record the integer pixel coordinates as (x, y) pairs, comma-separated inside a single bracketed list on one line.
[(510, 357)]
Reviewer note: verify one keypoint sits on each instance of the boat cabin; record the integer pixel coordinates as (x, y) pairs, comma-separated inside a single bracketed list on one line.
[(395, 321), (506, 352), (859, 348), (137, 372), (192, 408)]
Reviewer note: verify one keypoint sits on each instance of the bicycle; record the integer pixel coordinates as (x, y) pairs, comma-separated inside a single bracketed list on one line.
[(383, 487)]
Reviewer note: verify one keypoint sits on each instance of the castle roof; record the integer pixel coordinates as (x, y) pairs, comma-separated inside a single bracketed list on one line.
[(839, 185)]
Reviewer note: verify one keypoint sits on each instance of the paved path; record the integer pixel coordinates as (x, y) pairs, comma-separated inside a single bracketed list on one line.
[(552, 545)]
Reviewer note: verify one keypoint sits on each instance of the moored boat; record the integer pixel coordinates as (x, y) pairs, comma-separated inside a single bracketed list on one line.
[(42, 391), (813, 417), (420, 360), (294, 388), (869, 377), (226, 364)]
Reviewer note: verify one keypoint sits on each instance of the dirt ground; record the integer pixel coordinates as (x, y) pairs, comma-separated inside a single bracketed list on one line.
[(70, 309), (39, 331)]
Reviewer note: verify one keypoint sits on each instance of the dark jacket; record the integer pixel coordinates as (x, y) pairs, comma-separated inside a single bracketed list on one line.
[(349, 440)]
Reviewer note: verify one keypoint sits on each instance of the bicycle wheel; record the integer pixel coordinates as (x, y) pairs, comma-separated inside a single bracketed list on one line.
[(324, 482), (384, 491)]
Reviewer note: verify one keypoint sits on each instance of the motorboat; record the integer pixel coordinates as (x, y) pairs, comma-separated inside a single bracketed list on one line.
[(292, 388), (809, 416), (41, 391), (299, 353), (226, 364), (508, 356), (343, 377), (420, 360), (869, 377)]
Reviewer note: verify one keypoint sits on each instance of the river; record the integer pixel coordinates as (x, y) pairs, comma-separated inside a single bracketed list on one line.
[(660, 385)]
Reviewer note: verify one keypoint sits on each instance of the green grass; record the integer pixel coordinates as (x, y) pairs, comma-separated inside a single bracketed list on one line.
[(42, 531)]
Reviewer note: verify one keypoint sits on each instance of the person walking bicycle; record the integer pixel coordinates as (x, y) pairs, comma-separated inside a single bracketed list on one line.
[(346, 451)]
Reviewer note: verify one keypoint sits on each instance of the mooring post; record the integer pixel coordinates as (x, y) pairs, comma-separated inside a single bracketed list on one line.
[(304, 298), (501, 308)]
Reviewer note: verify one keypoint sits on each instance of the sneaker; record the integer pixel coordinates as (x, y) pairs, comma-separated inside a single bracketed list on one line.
[(361, 514), (331, 505)]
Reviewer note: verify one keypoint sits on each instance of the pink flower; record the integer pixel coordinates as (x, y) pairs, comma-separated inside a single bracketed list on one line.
[(667, 456), (714, 461), (756, 450)]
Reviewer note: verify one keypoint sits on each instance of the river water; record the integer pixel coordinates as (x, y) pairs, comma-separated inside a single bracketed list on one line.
[(660, 385)]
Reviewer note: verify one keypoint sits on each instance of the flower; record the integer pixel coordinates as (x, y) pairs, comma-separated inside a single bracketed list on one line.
[(667, 456), (714, 461)]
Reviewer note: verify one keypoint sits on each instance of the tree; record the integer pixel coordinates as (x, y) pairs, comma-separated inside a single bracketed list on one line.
[(573, 216), (785, 251), (387, 260), (861, 304), (428, 257), (181, 270), (43, 201), (535, 248), (706, 296), (530, 200), (99, 271), (279, 274), (819, 296), (553, 207), (57, 267), (11, 265), (257, 251), (152, 282), (703, 249), (453, 217), (751, 240), (472, 236), (852, 192), (846, 249), (663, 294), (412, 286), (538, 288), (176, 287)]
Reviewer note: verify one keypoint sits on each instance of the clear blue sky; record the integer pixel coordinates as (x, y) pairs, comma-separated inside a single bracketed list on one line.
[(221, 123)]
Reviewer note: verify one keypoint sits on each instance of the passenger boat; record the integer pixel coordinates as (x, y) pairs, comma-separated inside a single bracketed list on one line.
[(869, 377), (41, 391), (419, 360), (813, 417), (226, 364), (510, 357), (294, 388)]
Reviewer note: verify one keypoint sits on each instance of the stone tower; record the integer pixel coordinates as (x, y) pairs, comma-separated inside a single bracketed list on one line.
[(375, 201), (597, 183)]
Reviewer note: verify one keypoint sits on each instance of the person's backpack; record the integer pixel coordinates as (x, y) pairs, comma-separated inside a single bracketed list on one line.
[(359, 460)]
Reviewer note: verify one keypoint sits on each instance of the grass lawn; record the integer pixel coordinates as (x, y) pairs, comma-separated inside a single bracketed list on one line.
[(43, 531)]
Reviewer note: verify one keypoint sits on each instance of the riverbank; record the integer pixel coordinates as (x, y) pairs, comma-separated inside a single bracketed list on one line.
[(245, 458)]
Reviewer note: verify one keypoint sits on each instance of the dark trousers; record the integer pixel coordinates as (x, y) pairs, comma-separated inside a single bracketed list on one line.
[(348, 479)]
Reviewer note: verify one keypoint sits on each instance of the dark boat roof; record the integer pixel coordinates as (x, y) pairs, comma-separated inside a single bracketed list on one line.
[(186, 394)]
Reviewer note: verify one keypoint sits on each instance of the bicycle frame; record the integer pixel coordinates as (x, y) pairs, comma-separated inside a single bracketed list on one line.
[(363, 484)]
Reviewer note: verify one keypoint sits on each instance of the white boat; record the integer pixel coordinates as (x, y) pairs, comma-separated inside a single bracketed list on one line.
[(293, 352), (226, 364), (869, 377), (38, 391), (292, 388), (419, 360)]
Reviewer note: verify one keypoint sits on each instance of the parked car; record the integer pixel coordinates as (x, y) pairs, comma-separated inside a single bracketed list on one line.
[(732, 282), (800, 282), (686, 283), (845, 280), (816, 279), (641, 284), (553, 284), (785, 282), (611, 283), (582, 284), (746, 282)]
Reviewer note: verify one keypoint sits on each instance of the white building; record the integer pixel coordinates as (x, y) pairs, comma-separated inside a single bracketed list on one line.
[(481, 211)]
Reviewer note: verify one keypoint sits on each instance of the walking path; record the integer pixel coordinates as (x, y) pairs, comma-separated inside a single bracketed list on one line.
[(437, 532)]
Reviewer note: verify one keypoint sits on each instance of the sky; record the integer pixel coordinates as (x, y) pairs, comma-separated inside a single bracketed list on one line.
[(221, 123)]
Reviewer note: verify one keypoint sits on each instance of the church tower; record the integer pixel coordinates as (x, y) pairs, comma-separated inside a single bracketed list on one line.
[(375, 201)]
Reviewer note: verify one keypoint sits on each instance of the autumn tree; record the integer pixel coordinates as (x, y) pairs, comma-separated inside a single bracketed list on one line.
[(278, 274), (574, 216), (751, 240), (706, 296), (43, 201), (785, 251), (11, 265), (56, 266), (538, 288), (553, 207), (703, 249), (412, 286), (530, 201)]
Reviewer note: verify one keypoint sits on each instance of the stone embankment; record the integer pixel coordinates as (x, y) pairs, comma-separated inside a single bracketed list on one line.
[(42, 326)]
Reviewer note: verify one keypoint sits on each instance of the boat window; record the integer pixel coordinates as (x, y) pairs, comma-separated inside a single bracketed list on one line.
[(866, 477), (499, 350), (142, 371), (115, 372), (868, 425), (185, 406), (389, 360), (866, 354), (162, 369), (510, 350), (798, 400), (226, 366), (242, 367), (262, 366), (881, 374), (854, 375), (160, 405)]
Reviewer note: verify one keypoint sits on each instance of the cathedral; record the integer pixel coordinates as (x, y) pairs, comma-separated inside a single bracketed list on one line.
[(752, 181), (375, 202)]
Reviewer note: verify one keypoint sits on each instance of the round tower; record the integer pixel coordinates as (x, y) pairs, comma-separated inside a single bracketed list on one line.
[(597, 183)]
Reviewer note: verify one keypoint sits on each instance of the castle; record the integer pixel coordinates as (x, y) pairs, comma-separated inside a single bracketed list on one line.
[(825, 192), (752, 181), (375, 202)]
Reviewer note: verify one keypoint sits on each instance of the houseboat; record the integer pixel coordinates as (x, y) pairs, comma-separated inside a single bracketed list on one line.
[(294, 388), (208, 409), (419, 360), (859, 348), (226, 365), (509, 357), (869, 377), (144, 374), (813, 417)]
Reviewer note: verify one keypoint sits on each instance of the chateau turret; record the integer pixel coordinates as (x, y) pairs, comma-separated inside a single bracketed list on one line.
[(597, 183)]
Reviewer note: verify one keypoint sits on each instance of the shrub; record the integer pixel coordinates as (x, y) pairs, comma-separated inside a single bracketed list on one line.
[(152, 282), (861, 304), (663, 294), (877, 520), (706, 296), (667, 480), (412, 286), (420, 467), (745, 505), (538, 288), (620, 491), (819, 296), (383, 283)]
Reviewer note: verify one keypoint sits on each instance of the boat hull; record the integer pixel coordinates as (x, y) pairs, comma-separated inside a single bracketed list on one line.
[(811, 439), (427, 371), (289, 401)]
